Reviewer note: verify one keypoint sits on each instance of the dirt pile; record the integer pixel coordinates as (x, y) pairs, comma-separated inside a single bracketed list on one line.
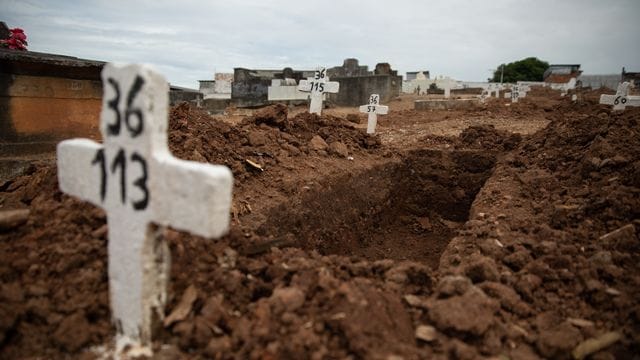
[(553, 236), (53, 291), (266, 139), (488, 138)]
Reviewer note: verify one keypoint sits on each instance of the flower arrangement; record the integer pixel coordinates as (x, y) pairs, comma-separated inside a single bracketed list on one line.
[(17, 40)]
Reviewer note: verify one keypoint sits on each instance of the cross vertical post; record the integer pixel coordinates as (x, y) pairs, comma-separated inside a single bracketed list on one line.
[(317, 86), (372, 110), (134, 177)]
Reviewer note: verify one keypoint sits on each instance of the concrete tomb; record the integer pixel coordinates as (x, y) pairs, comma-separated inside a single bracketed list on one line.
[(318, 85), (373, 109), (134, 177)]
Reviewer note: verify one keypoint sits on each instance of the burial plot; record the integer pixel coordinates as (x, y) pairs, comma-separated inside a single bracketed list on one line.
[(373, 109), (621, 99), (317, 86), (133, 176)]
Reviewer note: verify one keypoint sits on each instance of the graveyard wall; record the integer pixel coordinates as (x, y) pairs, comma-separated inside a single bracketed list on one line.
[(599, 81), (178, 95), (46, 98), (355, 91)]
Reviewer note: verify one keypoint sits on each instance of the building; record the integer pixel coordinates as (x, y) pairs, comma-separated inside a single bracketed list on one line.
[(561, 73), (632, 77), (218, 88), (417, 75)]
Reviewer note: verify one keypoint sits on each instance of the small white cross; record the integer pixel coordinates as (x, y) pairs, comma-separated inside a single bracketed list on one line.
[(621, 99), (373, 109), (134, 177), (318, 85), (448, 84), (515, 93), (486, 93)]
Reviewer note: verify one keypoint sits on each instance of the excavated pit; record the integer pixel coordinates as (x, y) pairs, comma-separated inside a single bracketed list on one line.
[(403, 210)]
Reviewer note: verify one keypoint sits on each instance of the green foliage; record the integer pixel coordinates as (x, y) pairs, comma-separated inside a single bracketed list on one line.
[(529, 69)]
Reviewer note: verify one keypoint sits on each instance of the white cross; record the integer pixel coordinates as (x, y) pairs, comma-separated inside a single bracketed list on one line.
[(621, 99), (373, 109), (318, 85), (515, 93), (134, 177), (448, 84), (486, 93)]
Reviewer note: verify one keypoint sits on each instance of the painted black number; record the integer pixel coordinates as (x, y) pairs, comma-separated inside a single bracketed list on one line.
[(114, 129), (141, 182), (119, 164), (136, 128), (139, 126), (99, 159), (121, 161)]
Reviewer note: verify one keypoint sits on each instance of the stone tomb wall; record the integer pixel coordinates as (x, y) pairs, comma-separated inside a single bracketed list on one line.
[(355, 90), (46, 98)]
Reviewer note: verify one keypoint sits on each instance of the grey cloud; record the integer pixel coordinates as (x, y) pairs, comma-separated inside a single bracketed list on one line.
[(188, 39)]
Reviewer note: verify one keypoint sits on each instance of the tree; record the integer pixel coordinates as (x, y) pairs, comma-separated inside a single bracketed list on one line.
[(529, 69)]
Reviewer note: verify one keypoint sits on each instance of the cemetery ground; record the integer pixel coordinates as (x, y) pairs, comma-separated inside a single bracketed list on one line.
[(506, 231)]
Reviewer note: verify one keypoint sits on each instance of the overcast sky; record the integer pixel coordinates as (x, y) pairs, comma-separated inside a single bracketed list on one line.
[(189, 40)]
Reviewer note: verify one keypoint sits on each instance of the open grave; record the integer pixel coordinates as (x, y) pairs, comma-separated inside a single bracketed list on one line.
[(407, 209)]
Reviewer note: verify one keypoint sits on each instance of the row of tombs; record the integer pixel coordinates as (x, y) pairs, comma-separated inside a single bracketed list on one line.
[(45, 98)]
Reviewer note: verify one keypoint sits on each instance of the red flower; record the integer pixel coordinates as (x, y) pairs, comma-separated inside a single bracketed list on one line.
[(18, 34), (17, 40)]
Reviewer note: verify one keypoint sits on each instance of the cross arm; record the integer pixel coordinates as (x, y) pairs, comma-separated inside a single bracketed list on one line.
[(192, 196), (375, 109), (331, 86), (304, 85), (79, 170)]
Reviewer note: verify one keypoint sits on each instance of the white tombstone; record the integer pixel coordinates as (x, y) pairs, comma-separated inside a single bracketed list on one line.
[(317, 86), (621, 99), (373, 109), (134, 177)]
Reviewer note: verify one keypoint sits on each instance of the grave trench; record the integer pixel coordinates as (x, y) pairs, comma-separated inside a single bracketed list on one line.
[(402, 210)]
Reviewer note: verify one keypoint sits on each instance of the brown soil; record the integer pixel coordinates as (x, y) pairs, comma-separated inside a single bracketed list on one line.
[(444, 236)]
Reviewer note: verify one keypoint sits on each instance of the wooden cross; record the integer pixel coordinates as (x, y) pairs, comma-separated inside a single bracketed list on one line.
[(621, 99), (373, 109), (318, 85), (134, 177)]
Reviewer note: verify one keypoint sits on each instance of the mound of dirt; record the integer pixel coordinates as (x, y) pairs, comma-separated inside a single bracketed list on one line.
[(488, 138), (267, 138), (554, 239)]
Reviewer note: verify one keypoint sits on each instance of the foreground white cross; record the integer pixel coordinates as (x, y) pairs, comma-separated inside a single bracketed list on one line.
[(621, 99), (137, 181), (318, 85), (373, 109)]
